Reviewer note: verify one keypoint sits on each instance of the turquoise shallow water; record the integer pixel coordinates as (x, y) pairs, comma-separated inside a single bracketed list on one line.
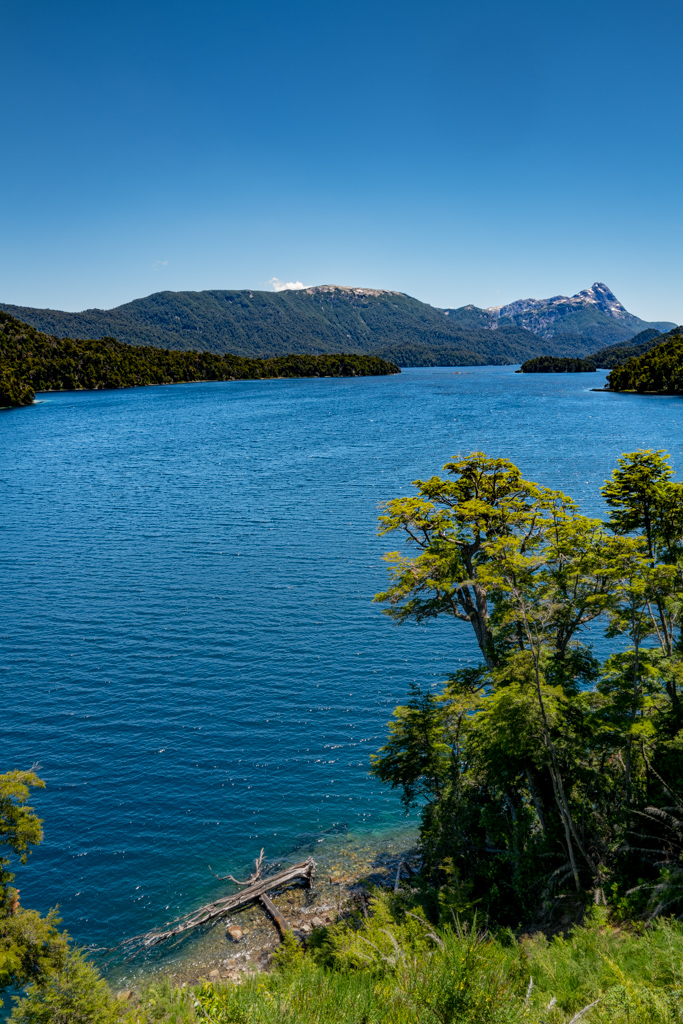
[(189, 646)]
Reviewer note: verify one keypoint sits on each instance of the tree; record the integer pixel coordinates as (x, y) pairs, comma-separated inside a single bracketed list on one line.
[(454, 523), (76, 994), (538, 769), (63, 988), (30, 945)]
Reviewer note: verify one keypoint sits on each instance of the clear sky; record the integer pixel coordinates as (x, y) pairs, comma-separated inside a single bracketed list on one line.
[(477, 151)]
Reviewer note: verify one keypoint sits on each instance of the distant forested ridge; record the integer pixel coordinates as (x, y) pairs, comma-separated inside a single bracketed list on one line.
[(31, 361), (615, 355), (658, 370), (318, 320), (557, 364)]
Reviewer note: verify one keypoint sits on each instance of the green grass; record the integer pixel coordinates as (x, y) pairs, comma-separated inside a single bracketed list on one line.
[(394, 968)]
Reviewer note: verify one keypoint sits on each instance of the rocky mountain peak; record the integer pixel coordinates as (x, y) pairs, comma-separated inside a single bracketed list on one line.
[(603, 297), (598, 295), (594, 313)]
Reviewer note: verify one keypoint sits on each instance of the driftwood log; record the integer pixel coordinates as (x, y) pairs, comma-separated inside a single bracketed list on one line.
[(211, 911), (277, 917)]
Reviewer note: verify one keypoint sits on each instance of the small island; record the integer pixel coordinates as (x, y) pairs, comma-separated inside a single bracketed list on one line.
[(557, 364), (31, 361)]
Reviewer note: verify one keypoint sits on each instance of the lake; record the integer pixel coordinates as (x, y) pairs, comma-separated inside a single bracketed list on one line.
[(189, 645)]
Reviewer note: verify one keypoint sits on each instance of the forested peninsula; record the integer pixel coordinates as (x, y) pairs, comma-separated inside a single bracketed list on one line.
[(657, 371), (31, 361)]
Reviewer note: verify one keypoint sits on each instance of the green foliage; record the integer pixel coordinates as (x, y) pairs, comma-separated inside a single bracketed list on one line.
[(658, 370), (543, 776), (289, 953), (20, 828), (557, 364), (643, 499), (161, 1001), (13, 390), (31, 947), (416, 751), (52, 364), (74, 994), (62, 987), (396, 968)]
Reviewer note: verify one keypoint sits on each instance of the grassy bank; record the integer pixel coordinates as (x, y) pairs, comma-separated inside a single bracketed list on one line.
[(394, 967)]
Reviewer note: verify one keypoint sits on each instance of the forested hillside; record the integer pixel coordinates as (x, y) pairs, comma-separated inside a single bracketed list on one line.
[(660, 369), (615, 355), (317, 320), (31, 361)]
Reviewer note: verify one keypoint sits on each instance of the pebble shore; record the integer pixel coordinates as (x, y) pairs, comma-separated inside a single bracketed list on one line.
[(243, 942)]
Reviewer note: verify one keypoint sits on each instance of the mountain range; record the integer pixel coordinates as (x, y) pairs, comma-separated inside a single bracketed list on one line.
[(368, 321)]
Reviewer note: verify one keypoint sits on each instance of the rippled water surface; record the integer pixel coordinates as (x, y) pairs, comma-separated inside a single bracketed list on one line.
[(189, 645)]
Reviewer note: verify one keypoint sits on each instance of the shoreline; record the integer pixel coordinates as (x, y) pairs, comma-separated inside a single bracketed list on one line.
[(350, 866), (208, 380)]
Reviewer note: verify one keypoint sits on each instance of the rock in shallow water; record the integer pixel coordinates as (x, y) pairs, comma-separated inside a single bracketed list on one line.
[(234, 932)]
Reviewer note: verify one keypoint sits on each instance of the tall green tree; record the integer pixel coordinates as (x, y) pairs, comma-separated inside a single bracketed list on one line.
[(60, 986), (30, 945), (542, 772)]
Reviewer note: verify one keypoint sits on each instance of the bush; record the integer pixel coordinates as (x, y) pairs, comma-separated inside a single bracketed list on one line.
[(76, 994)]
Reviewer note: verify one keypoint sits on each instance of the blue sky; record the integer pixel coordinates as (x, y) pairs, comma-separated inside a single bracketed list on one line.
[(460, 152)]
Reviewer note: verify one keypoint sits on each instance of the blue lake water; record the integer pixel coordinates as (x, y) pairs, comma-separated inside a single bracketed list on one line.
[(189, 645)]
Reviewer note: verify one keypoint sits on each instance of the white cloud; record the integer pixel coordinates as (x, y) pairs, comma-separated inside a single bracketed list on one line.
[(159, 263), (283, 286)]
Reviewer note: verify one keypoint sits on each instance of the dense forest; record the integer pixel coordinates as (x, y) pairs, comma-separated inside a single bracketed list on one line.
[(326, 319), (31, 361), (615, 355), (557, 364), (658, 370)]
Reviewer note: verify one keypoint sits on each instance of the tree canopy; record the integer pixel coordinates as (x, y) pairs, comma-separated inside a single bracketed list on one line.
[(30, 945), (544, 772), (658, 370), (557, 364)]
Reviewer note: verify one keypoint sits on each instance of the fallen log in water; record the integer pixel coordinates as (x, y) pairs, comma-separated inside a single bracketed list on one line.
[(211, 911), (277, 917)]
